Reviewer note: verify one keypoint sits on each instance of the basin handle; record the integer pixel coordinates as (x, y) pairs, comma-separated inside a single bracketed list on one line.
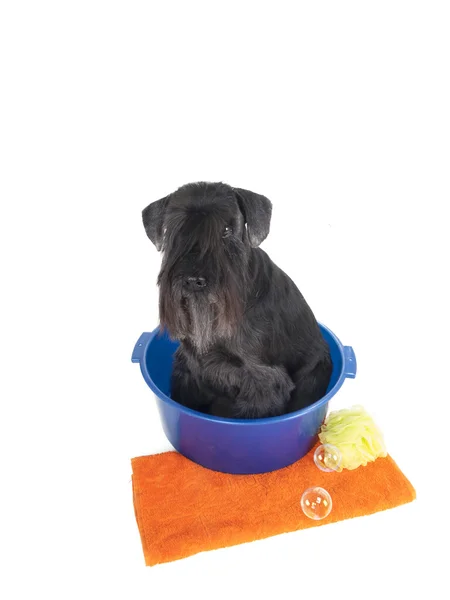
[(138, 351), (349, 362)]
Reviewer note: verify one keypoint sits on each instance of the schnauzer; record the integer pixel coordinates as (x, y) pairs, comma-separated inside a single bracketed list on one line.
[(250, 346)]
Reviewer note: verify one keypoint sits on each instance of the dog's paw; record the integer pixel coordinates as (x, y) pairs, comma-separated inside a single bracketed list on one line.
[(265, 392), (281, 384)]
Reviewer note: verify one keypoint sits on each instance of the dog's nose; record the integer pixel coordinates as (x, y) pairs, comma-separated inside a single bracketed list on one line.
[(195, 284)]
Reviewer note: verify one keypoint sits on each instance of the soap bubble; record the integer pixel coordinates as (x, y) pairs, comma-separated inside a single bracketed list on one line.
[(328, 458), (316, 503)]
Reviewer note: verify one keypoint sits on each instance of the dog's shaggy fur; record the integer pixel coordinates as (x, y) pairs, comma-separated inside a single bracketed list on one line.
[(250, 345)]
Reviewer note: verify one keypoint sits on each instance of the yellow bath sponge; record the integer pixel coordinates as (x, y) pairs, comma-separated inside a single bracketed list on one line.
[(354, 433)]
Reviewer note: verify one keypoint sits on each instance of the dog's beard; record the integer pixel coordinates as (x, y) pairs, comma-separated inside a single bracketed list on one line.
[(203, 317)]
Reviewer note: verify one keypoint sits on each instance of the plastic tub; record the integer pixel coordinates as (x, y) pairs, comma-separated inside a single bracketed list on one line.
[(240, 446)]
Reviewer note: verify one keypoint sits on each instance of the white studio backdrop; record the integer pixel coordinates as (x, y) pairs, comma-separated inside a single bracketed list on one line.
[(339, 113)]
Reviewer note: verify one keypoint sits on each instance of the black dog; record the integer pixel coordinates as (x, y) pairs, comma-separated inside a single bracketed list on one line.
[(250, 345)]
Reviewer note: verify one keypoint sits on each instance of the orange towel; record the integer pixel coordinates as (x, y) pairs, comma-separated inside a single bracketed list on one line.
[(182, 509)]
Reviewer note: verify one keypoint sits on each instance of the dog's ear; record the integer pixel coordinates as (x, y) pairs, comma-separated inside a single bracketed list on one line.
[(257, 211), (153, 219)]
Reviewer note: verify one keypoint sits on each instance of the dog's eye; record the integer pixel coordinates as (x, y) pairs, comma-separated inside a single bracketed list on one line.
[(227, 232)]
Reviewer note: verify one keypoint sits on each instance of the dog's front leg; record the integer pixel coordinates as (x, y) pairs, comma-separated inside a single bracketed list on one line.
[(186, 387), (250, 390)]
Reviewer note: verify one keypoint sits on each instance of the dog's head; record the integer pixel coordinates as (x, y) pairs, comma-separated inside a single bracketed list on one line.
[(205, 232)]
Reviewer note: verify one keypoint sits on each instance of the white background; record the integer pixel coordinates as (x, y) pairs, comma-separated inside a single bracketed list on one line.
[(339, 113)]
